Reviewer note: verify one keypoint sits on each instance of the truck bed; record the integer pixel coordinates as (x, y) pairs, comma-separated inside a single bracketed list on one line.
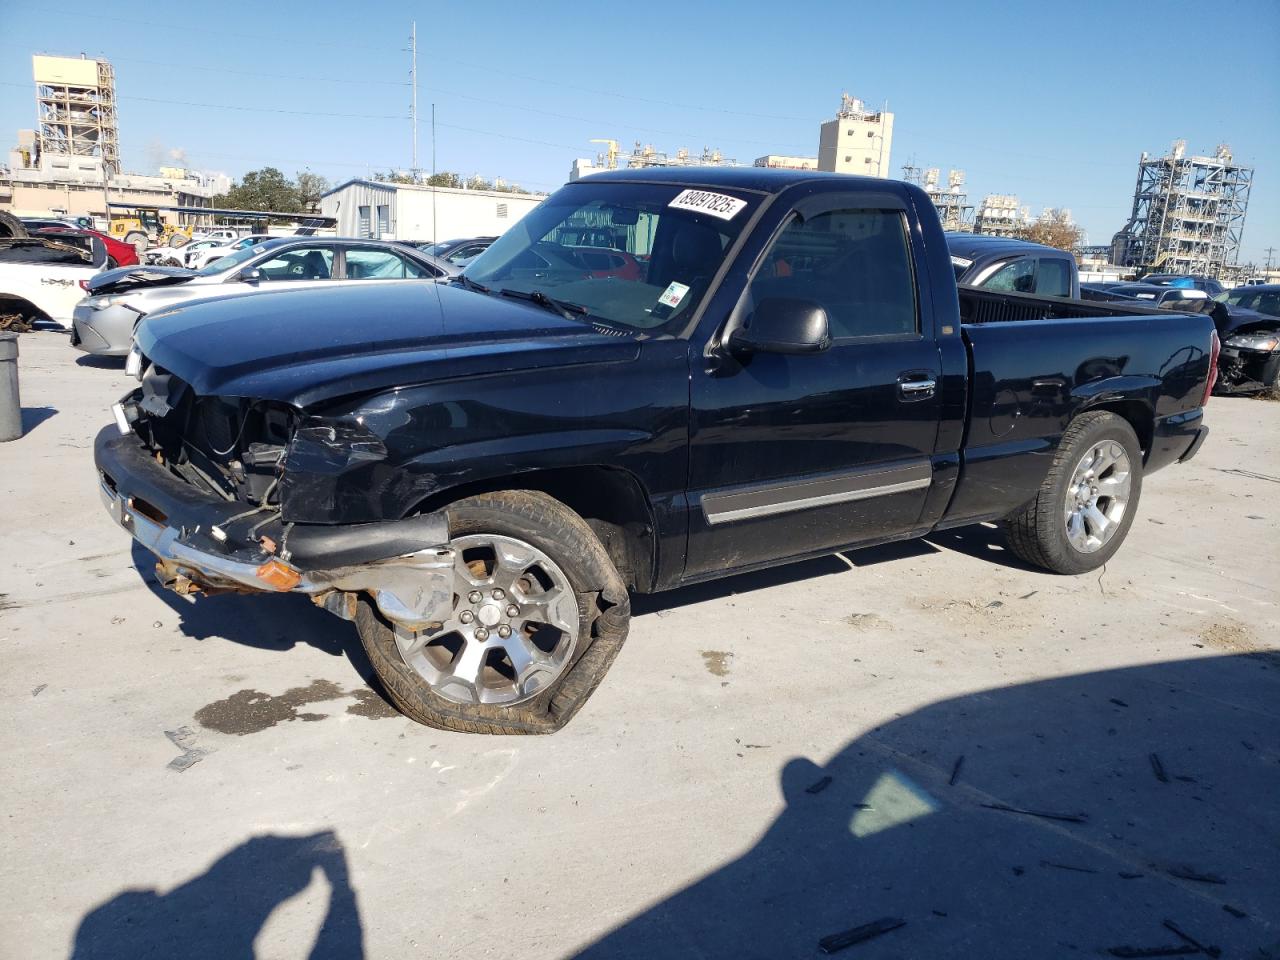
[(978, 306)]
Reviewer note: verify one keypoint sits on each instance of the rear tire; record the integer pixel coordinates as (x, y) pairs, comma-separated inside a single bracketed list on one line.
[(11, 226), (570, 551), (138, 240), (1086, 503)]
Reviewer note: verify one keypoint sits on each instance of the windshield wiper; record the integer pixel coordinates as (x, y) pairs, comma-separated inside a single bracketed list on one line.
[(470, 284), (565, 309)]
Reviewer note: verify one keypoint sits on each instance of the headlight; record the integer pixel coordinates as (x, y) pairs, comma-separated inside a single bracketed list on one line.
[(100, 303), (1265, 342), (133, 365)]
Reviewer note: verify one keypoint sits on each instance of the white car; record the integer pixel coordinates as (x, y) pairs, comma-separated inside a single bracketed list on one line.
[(218, 234), (177, 256), (200, 259), (42, 278)]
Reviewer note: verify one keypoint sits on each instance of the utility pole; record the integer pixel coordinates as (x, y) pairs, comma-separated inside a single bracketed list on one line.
[(413, 82), (1269, 251)]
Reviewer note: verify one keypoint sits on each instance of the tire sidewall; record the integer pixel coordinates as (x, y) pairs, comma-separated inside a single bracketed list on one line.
[(1109, 427), (546, 711)]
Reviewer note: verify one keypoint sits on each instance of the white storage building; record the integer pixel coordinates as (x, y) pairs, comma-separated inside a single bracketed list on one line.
[(410, 211)]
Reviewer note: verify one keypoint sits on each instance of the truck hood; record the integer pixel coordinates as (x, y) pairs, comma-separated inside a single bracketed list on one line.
[(131, 278), (307, 346)]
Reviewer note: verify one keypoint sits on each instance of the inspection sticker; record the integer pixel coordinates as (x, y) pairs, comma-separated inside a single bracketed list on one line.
[(704, 201), (674, 293)]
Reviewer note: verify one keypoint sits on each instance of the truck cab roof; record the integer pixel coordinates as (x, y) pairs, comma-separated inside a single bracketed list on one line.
[(757, 179)]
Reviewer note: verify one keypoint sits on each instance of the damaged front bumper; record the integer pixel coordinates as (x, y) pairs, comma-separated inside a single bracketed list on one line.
[(207, 545)]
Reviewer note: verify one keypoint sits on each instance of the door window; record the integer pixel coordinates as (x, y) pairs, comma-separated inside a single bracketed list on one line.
[(299, 263), (855, 263), (1053, 278), (1018, 276), (383, 265)]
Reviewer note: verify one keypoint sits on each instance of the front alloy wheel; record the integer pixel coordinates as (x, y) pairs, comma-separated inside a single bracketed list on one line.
[(513, 629)]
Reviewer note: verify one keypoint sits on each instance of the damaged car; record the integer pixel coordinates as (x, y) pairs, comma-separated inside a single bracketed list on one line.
[(478, 474)]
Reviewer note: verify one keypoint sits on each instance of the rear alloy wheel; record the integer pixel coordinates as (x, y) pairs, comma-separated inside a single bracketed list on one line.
[(1086, 503), (539, 612)]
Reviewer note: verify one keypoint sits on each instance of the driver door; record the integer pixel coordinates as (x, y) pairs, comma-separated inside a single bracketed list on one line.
[(795, 454)]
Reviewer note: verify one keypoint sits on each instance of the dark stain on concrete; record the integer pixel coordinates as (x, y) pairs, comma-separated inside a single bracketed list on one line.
[(716, 662), (369, 704), (252, 711), (6, 603)]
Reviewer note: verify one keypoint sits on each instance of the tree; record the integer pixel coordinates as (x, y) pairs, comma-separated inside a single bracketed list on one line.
[(1054, 229), (311, 187), (265, 189)]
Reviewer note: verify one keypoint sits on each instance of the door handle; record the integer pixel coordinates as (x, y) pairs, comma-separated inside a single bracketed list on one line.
[(916, 389)]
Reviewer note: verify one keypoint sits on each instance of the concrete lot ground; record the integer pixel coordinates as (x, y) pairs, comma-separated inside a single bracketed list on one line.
[(772, 759)]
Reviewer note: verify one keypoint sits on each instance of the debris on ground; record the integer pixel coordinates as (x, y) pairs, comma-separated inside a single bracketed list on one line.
[(819, 786), (1044, 815), (14, 323), (839, 941), (39, 690), (1067, 866), (184, 739), (1192, 941), (1180, 950), (1187, 873)]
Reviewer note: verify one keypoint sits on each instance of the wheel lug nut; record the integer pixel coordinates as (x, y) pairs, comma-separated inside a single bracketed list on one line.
[(513, 610), (482, 633), (466, 616), (504, 631), (499, 594), (475, 596)]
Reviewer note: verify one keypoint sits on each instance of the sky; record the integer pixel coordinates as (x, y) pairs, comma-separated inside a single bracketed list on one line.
[(1053, 102)]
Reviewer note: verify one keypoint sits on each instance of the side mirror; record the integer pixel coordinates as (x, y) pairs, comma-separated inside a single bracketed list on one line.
[(252, 275), (783, 325)]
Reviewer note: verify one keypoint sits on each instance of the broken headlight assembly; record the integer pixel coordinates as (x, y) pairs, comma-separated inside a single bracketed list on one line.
[(1257, 342)]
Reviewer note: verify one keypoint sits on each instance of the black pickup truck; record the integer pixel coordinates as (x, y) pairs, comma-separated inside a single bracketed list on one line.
[(777, 366)]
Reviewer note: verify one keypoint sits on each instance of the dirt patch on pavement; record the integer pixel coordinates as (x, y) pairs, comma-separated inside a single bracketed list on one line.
[(867, 621), (1227, 634), (716, 662)]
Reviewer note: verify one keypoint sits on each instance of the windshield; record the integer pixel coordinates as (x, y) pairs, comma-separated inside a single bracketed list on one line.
[(222, 264), (651, 251), (1261, 301)]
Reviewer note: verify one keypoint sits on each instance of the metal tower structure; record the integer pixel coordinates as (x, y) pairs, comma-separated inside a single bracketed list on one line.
[(76, 109), (1188, 213), (951, 201)]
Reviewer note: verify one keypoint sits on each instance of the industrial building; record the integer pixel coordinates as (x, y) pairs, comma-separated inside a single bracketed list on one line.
[(412, 211), (76, 110), (857, 141), (1188, 213), (645, 155), (951, 201), (69, 164), (1001, 215)]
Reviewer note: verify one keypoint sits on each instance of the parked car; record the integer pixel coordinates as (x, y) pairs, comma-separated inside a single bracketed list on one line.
[(461, 251), (1248, 321), (1207, 284), (42, 277), (478, 477), (179, 256), (119, 254), (118, 300), (204, 256), (1019, 266)]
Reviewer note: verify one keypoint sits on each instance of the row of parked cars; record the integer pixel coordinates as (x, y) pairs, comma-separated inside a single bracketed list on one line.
[(84, 289)]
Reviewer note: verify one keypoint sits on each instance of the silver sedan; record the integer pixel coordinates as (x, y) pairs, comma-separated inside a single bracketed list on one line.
[(104, 321)]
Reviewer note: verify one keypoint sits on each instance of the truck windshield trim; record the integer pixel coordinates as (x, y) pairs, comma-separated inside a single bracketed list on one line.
[(637, 256)]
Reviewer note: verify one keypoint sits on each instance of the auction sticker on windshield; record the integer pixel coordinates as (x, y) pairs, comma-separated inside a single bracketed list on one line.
[(674, 293), (704, 201)]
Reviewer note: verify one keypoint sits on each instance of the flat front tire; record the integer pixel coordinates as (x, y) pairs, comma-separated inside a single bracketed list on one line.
[(1086, 503), (539, 613)]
